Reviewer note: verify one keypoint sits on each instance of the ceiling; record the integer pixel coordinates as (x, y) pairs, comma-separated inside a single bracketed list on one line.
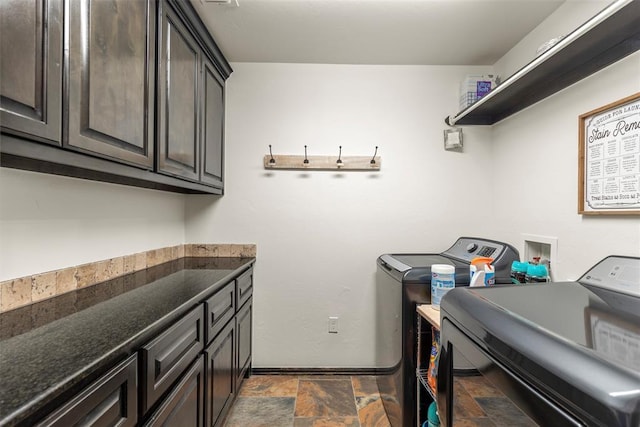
[(411, 32)]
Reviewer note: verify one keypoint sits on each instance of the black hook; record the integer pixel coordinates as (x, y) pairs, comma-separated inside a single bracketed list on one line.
[(339, 162), (373, 159), (272, 161), (306, 161)]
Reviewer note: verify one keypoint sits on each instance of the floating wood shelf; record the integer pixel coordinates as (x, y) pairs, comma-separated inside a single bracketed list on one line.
[(606, 38), (349, 163)]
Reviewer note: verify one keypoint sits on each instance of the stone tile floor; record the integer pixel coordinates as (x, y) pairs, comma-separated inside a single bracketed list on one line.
[(308, 401)]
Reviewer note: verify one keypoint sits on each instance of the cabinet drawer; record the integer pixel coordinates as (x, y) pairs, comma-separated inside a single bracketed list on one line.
[(111, 400), (166, 357), (244, 285), (219, 309), (185, 405)]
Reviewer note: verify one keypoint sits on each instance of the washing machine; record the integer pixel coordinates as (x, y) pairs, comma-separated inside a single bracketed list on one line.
[(402, 282)]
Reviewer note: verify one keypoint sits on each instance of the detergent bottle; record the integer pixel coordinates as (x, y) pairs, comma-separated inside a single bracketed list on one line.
[(518, 272), (537, 273), (482, 272)]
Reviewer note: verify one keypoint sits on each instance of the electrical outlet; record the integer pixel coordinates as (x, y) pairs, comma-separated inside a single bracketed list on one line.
[(333, 324)]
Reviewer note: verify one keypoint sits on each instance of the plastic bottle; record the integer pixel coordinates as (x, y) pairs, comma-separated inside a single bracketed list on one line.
[(514, 270), (489, 275), (518, 272), (432, 372), (482, 264), (536, 274), (433, 420), (442, 281), (477, 279)]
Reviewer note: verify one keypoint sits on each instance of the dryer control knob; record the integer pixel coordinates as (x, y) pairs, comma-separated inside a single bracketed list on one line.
[(471, 247)]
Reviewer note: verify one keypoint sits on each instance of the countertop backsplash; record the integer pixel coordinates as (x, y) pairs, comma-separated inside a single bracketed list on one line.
[(23, 291)]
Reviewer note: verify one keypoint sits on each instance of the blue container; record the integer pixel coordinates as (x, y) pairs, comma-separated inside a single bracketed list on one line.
[(518, 272), (433, 420), (443, 279), (537, 273)]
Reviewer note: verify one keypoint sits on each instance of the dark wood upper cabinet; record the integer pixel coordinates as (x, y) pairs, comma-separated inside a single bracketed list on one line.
[(122, 91), (212, 125), (110, 79), (31, 68), (178, 86)]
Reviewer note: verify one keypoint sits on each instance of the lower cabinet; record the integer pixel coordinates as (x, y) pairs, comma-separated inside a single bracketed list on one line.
[(112, 400), (243, 327), (219, 309), (175, 379), (184, 407), (166, 357), (229, 354), (220, 374)]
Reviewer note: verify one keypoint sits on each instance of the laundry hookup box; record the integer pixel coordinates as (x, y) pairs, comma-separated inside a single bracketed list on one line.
[(474, 87)]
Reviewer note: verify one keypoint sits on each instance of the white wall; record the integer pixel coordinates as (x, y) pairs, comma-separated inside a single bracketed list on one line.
[(48, 222), (319, 233), (569, 16), (536, 185)]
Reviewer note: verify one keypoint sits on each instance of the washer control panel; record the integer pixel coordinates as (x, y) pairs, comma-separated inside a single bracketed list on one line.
[(618, 273), (468, 248)]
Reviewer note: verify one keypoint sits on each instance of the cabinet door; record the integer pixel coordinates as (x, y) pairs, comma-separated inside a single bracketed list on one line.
[(212, 125), (178, 97), (166, 357), (31, 68), (220, 375), (243, 327), (110, 401), (110, 79), (184, 407)]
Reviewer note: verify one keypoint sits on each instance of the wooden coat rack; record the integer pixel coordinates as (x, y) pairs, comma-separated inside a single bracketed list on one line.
[(302, 162)]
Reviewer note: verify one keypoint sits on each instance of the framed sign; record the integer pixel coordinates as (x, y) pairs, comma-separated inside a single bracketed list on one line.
[(609, 159)]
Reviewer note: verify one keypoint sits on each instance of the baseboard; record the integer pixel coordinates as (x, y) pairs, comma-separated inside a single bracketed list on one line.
[(316, 371)]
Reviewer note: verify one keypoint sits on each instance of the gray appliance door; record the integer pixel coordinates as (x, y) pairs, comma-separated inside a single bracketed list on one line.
[(489, 393), (388, 318), (388, 341), (548, 336)]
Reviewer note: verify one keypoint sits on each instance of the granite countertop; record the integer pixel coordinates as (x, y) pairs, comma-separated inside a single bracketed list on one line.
[(54, 348)]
